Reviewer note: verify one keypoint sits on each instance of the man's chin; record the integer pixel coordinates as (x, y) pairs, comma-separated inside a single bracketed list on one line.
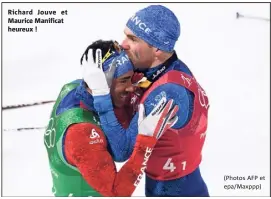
[(122, 101), (118, 103)]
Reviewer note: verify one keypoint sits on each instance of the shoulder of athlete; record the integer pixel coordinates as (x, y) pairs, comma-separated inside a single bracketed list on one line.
[(85, 135), (178, 93)]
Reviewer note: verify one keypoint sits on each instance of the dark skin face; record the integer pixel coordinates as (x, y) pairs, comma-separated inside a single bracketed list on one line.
[(120, 89), (120, 86)]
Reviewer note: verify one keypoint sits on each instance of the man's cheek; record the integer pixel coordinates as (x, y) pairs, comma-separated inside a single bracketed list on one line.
[(137, 55), (119, 90)]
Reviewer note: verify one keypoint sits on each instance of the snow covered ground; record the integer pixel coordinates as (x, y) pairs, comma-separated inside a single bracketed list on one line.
[(229, 57)]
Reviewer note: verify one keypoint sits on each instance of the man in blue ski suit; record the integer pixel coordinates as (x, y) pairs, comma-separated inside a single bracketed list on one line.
[(173, 168)]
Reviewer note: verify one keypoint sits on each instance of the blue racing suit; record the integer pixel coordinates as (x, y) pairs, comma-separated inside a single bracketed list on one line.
[(121, 141)]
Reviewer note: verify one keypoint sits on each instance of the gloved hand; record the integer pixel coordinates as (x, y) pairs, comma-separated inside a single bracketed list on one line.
[(93, 73), (110, 49), (162, 117)]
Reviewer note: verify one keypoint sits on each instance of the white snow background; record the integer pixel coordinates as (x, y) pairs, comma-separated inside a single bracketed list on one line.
[(230, 58)]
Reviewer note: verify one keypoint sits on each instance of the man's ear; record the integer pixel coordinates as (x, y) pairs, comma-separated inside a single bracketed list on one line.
[(158, 54)]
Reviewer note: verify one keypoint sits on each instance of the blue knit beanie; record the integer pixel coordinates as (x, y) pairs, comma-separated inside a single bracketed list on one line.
[(122, 63), (156, 25)]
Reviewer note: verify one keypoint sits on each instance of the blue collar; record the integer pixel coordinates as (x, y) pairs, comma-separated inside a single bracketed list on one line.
[(152, 74), (82, 94)]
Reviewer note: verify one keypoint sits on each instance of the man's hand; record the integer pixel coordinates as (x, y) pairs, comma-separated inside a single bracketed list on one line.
[(110, 49), (93, 73), (162, 117)]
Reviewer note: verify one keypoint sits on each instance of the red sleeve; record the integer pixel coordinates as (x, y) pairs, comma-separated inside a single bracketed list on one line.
[(86, 148)]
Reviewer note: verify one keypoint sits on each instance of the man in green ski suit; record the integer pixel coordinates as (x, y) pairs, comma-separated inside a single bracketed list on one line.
[(77, 149)]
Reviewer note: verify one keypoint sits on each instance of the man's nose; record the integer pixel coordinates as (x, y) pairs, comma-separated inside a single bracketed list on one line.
[(130, 88), (125, 44)]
